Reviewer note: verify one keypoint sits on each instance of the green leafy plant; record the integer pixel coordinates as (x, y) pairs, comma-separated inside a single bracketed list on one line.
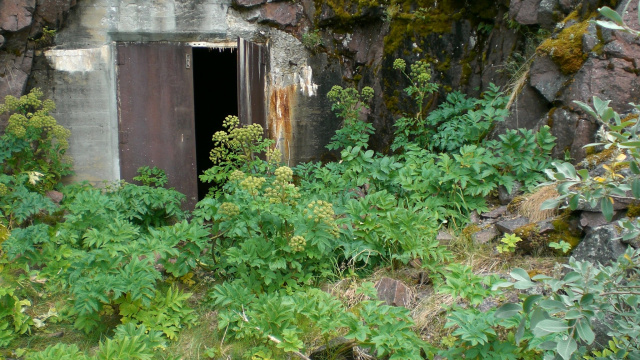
[(151, 176), (312, 40), (33, 142), (509, 242), (348, 104), (280, 322), (559, 322), (561, 245), (13, 319)]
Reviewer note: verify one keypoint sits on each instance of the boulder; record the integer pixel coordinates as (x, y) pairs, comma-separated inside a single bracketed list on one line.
[(495, 213), (528, 111), (547, 13), (393, 292), (485, 236), (50, 13), (16, 15), (15, 73), (510, 226), (281, 13), (505, 196), (524, 11), (546, 77), (248, 3), (600, 246), (55, 196), (591, 220)]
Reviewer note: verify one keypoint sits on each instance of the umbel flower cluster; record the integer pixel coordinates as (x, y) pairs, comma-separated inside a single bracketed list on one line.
[(282, 191), (31, 119), (322, 212), (236, 139)]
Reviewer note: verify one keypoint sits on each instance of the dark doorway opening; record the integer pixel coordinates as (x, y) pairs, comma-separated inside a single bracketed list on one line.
[(215, 97)]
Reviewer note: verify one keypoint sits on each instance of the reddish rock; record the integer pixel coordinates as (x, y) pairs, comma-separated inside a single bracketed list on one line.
[(529, 109), (16, 15), (607, 79), (55, 196), (545, 76), (485, 236), (14, 73), (524, 11), (590, 220), (283, 14), (585, 134), (393, 292), (51, 13), (564, 129), (495, 213)]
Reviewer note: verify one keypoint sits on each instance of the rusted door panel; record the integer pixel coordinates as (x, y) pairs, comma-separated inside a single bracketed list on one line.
[(252, 76), (156, 113)]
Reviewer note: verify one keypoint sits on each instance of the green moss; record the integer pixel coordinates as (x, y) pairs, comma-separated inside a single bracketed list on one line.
[(564, 232), (550, 117), (566, 49), (633, 210)]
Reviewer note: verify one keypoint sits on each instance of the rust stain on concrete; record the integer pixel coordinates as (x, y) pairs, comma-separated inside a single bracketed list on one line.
[(280, 127)]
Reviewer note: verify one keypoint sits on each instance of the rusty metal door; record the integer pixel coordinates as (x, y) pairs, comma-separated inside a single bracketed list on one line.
[(253, 63), (156, 113)]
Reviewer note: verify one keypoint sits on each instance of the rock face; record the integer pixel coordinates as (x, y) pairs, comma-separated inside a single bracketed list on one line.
[(600, 245), (393, 292), (16, 15)]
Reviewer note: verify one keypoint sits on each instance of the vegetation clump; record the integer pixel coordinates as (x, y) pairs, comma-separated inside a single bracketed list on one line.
[(566, 48)]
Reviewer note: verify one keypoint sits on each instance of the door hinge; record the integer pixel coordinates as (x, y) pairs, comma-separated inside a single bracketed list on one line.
[(188, 61)]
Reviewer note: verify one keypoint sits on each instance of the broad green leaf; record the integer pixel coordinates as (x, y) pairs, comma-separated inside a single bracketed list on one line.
[(574, 202), (584, 331), (609, 25), (529, 301), (606, 205), (520, 275), (549, 326), (508, 310), (611, 15), (566, 347), (635, 187), (520, 331), (586, 108), (550, 204)]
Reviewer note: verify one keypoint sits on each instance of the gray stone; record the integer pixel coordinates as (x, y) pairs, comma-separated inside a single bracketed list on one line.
[(510, 226), (545, 226), (444, 237), (546, 77), (485, 236), (495, 213), (524, 11), (507, 197), (547, 13), (591, 220), (393, 292), (528, 110), (568, 6), (1, 40), (600, 246), (16, 15), (590, 39), (248, 3)]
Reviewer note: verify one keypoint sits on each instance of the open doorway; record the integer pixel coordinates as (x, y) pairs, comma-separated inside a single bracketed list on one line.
[(215, 97)]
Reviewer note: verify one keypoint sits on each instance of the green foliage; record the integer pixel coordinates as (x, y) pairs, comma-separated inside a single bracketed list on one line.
[(154, 177), (13, 320), (33, 142), (236, 148), (615, 21), (291, 318), (129, 343), (509, 242), (460, 281), (312, 40), (349, 104), (559, 322), (561, 245)]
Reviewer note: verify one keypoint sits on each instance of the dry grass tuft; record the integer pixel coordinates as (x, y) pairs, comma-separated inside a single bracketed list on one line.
[(530, 206)]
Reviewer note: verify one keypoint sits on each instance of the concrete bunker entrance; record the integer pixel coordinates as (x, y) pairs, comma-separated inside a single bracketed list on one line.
[(215, 97), (172, 97)]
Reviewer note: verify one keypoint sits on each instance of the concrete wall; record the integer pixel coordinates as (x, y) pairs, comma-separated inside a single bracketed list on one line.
[(79, 72)]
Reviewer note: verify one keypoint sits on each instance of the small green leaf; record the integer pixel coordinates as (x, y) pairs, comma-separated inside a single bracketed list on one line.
[(520, 275), (574, 202), (611, 15), (606, 205), (529, 301), (550, 326), (635, 187), (566, 347), (508, 310), (584, 331)]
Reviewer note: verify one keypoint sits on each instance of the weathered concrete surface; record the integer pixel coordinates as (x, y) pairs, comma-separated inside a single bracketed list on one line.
[(80, 76)]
